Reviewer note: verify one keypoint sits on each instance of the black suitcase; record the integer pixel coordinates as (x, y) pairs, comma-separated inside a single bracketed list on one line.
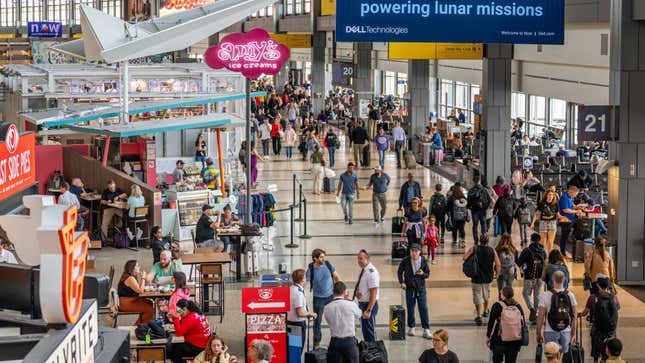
[(318, 355), (397, 322), (326, 185), (366, 156), (399, 249), (576, 353), (397, 223), (97, 286), (372, 352)]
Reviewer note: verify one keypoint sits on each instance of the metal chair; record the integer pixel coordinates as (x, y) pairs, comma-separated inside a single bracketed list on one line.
[(114, 307), (140, 219), (212, 274)]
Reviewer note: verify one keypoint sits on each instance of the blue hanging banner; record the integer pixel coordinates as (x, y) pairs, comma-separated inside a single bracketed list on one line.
[(459, 21), (45, 29)]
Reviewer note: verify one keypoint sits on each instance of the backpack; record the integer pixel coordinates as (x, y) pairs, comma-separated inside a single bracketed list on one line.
[(510, 323), (506, 207), (507, 260), (478, 198), (470, 267), (459, 214), (331, 140), (561, 311), (121, 240), (538, 264), (552, 270), (311, 276), (524, 216), (438, 207), (153, 328), (605, 313)]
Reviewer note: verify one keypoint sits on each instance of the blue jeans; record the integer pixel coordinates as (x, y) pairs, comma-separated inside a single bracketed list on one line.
[(347, 203), (332, 152), (319, 306), (289, 151), (398, 145), (563, 338), (227, 240), (381, 158), (343, 350), (479, 218), (368, 326), (201, 159), (412, 297)]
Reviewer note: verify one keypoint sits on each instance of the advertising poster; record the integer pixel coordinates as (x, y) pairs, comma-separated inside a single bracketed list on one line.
[(419, 50), (459, 21), (271, 327), (167, 7), (44, 29), (41, 55), (17, 161), (139, 10)]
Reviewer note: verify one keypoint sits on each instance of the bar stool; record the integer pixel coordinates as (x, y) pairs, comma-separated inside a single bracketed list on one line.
[(211, 275), (140, 219)]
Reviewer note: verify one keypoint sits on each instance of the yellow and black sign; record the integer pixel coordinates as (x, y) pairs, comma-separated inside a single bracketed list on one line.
[(435, 51), (327, 7), (293, 40)]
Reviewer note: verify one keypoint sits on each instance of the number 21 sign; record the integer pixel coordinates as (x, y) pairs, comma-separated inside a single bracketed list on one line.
[(595, 123)]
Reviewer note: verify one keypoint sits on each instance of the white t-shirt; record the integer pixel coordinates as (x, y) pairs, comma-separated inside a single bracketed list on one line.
[(370, 279), (298, 300), (545, 302), (7, 257), (265, 131), (341, 315)]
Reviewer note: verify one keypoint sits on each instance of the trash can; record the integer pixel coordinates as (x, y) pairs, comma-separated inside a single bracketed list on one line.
[(397, 322)]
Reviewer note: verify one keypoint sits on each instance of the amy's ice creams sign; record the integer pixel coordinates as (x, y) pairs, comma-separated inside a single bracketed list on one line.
[(17, 162)]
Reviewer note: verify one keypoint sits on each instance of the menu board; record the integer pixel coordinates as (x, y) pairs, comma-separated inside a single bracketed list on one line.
[(271, 327)]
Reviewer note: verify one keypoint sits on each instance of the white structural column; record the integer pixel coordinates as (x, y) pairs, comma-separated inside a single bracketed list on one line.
[(627, 179), (126, 93), (495, 151), (363, 82)]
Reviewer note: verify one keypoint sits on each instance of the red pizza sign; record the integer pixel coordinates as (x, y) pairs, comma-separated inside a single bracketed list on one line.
[(257, 300), (17, 162)]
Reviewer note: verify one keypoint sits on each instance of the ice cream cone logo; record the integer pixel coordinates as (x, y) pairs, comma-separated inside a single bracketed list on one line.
[(74, 258)]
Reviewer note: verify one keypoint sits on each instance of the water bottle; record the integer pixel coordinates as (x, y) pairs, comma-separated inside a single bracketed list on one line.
[(538, 353), (148, 338)]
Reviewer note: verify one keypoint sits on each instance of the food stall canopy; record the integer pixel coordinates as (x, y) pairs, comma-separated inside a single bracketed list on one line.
[(215, 120), (158, 35), (82, 112)]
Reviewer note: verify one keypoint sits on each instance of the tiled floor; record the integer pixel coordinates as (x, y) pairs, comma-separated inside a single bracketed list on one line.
[(449, 295)]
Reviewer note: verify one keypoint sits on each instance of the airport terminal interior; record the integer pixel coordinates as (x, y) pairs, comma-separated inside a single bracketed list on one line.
[(322, 181)]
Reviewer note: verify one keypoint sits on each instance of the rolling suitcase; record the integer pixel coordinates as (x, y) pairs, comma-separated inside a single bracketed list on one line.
[(399, 249), (326, 185), (397, 223), (410, 160), (579, 251), (372, 352), (365, 162), (576, 353), (318, 355)]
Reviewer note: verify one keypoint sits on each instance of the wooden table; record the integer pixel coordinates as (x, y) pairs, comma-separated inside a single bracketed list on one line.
[(153, 351), (154, 295), (92, 198), (205, 257), (238, 247), (118, 205)]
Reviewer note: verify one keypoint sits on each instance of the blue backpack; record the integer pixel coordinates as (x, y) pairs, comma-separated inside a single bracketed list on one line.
[(552, 270)]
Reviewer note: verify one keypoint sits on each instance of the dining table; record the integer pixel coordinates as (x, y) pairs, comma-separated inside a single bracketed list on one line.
[(92, 199)]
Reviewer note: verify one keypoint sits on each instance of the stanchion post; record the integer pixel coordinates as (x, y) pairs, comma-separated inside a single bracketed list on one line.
[(300, 198), (291, 244), (294, 189), (305, 235)]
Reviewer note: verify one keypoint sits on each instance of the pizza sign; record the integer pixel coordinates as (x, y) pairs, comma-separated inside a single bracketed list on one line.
[(17, 162)]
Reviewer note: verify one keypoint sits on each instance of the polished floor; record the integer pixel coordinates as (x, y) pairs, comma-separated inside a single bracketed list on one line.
[(449, 294)]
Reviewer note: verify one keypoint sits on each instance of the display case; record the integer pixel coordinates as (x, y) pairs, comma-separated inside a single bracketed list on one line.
[(189, 209)]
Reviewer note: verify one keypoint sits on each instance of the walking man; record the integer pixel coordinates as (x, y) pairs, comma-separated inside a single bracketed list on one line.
[(412, 273), (379, 181), (568, 213), (265, 136), (531, 261), (366, 291), (348, 185), (382, 142), (359, 139), (341, 314), (409, 190), (556, 320), (399, 137), (478, 202), (321, 275), (487, 266)]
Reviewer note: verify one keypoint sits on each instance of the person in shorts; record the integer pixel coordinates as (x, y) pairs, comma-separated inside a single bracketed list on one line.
[(547, 215), (489, 265)]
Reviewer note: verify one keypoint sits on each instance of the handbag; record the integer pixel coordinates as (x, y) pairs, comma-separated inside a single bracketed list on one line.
[(586, 281), (525, 333)]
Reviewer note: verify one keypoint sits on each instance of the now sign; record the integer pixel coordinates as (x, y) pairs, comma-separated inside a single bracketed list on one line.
[(45, 29)]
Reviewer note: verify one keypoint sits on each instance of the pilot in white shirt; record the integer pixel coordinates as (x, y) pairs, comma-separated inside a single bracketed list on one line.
[(341, 314), (367, 291)]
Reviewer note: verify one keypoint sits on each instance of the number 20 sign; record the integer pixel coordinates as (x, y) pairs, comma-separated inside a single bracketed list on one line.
[(595, 123)]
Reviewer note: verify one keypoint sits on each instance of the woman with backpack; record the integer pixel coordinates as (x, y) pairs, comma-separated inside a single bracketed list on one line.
[(599, 261), (438, 206), (505, 325), (414, 225), (508, 259), (555, 263), (458, 214), (547, 214), (505, 211)]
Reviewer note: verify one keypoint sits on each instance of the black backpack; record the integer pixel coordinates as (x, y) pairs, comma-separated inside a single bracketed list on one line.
[(605, 313), (470, 267), (478, 198), (538, 264), (153, 328), (438, 207), (561, 311), (506, 208), (311, 276)]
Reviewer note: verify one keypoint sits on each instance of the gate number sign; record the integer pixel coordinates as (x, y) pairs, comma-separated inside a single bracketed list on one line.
[(594, 123)]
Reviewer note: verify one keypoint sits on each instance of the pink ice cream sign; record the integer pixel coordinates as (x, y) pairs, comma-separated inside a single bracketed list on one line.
[(252, 54)]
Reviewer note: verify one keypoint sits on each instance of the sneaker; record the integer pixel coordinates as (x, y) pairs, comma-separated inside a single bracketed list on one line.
[(130, 235), (411, 332), (350, 221), (462, 244), (427, 334), (346, 219), (486, 313), (532, 316), (316, 345), (139, 233), (478, 321), (382, 220), (434, 262)]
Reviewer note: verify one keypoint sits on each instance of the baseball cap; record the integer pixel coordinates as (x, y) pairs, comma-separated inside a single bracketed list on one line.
[(209, 160), (206, 207), (415, 246), (551, 349), (378, 167)]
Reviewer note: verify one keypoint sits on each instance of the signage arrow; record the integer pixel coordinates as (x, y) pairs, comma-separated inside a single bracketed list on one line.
[(267, 305)]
